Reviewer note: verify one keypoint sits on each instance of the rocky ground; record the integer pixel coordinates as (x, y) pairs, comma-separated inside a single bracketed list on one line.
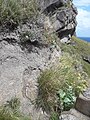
[(20, 67)]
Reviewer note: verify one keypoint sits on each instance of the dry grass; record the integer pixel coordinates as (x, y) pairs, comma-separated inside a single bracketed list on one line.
[(16, 11), (66, 75)]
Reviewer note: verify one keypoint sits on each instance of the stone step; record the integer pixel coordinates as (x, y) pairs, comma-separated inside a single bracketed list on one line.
[(83, 103), (73, 114)]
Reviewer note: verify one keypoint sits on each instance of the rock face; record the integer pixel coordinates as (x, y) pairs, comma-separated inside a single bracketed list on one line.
[(21, 62), (62, 15)]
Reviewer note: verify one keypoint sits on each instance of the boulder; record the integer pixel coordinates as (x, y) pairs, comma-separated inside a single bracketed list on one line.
[(83, 103), (86, 58)]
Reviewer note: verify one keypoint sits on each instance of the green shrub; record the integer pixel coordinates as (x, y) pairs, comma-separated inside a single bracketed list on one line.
[(16, 11), (60, 85)]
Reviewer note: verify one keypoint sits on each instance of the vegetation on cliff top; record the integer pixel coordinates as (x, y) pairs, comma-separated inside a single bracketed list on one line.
[(16, 11), (81, 49)]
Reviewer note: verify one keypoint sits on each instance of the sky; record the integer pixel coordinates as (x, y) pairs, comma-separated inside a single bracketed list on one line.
[(83, 18)]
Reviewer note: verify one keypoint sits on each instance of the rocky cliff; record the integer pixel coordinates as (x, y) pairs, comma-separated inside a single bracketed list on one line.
[(24, 53), (62, 16)]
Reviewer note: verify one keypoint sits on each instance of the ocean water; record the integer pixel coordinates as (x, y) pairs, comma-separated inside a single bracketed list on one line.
[(85, 38)]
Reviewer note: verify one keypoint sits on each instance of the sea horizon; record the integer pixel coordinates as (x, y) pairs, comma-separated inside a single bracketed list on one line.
[(85, 38)]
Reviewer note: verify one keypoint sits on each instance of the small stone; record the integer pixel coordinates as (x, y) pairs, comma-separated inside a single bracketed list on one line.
[(64, 40)]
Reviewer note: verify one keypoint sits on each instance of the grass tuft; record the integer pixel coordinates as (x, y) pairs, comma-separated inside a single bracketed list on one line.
[(68, 77), (10, 111), (16, 11)]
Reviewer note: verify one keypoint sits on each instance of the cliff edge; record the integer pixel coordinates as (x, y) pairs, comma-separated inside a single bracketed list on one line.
[(30, 47)]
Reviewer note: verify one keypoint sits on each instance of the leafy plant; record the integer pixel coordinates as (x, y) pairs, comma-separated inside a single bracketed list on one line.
[(67, 98)]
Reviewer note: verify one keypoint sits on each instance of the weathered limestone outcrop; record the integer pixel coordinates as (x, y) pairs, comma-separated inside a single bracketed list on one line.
[(62, 15)]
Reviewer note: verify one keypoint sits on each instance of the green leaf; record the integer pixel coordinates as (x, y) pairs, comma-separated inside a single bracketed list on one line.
[(67, 100), (62, 94)]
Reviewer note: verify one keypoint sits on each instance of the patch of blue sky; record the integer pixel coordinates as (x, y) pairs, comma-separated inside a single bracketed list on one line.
[(83, 18)]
